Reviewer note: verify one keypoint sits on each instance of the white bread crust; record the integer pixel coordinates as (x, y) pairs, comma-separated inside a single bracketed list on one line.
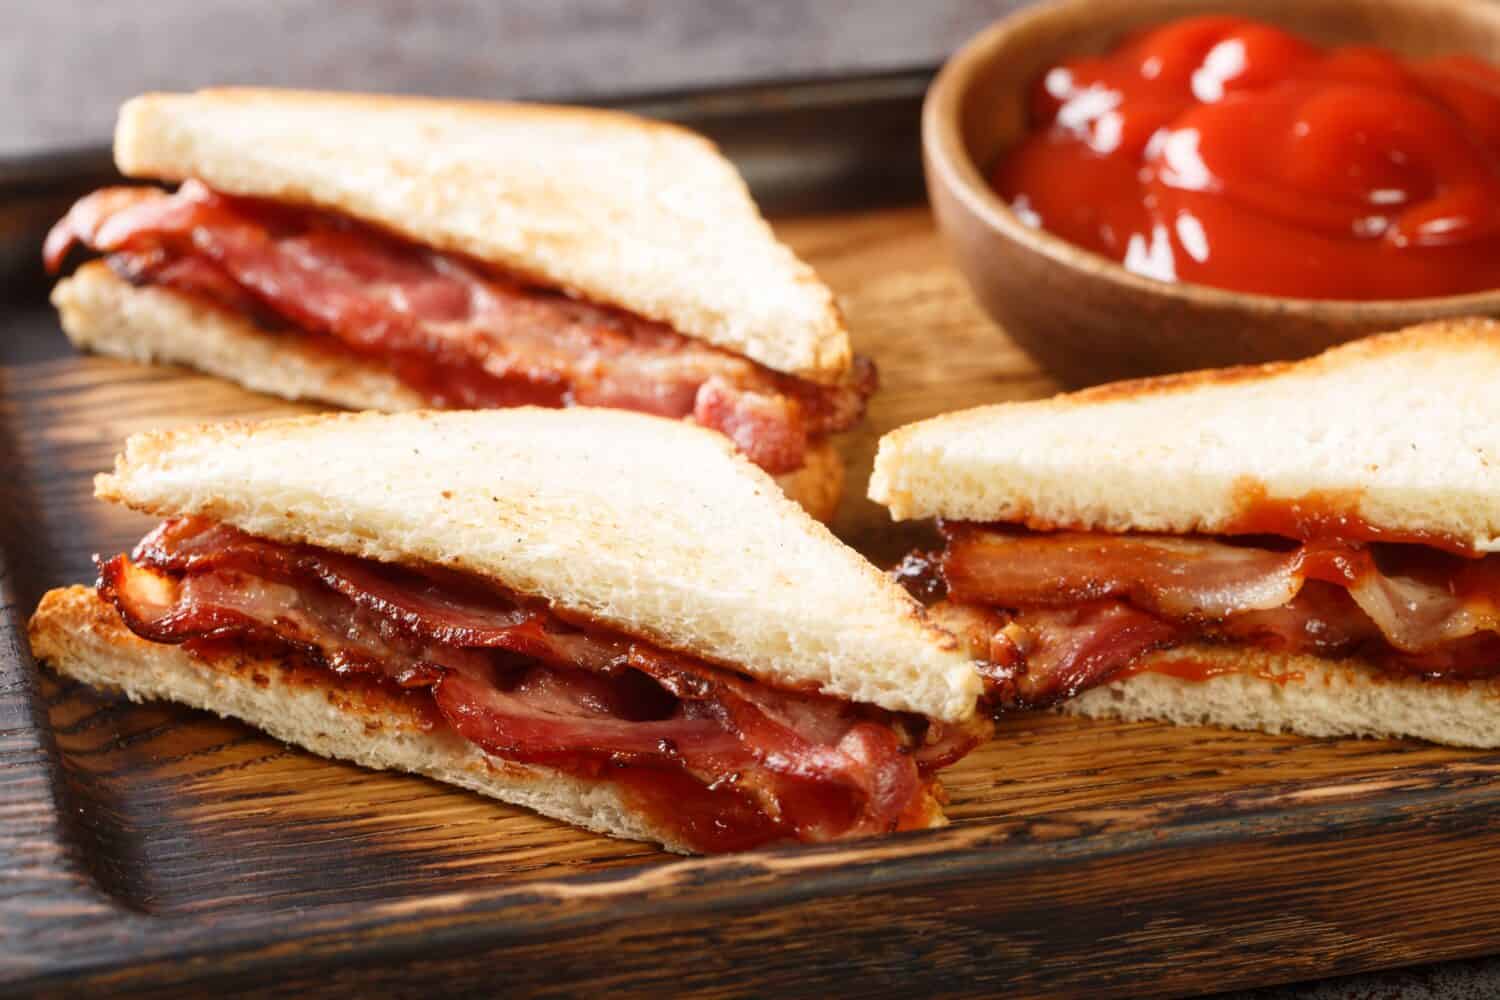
[(81, 637), (607, 206), (1401, 430), (1279, 693), (102, 313), (653, 526)]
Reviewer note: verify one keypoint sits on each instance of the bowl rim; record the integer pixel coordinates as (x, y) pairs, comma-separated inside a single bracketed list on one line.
[(948, 156)]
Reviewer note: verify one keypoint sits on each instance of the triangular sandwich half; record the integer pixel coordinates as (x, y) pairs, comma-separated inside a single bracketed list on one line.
[(1312, 547), (608, 617), (397, 253)]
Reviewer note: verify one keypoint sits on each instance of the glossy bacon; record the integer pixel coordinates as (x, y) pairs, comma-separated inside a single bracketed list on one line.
[(459, 334), (1081, 607), (1174, 577), (526, 685), (1417, 599), (1040, 656)]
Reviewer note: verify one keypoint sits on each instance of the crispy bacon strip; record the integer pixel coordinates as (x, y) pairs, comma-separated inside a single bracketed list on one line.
[(526, 685), (1055, 613), (1041, 656), (1418, 599), (448, 327), (1174, 577)]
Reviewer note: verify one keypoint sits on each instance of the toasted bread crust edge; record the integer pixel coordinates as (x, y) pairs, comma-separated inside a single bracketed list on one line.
[(149, 144), (1436, 333), (81, 637), (819, 485), (102, 313), (1259, 690), (913, 477)]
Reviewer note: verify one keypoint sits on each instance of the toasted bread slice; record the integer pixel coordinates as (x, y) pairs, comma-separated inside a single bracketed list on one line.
[(818, 486), (608, 206), (1400, 430), (1248, 688), (102, 313), (82, 637), (653, 526)]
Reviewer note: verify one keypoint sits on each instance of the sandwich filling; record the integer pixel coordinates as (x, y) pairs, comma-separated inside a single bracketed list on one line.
[(1050, 614), (722, 761), (454, 330)]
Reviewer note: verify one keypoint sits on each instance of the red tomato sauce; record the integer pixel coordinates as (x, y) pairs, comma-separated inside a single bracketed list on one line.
[(1224, 151)]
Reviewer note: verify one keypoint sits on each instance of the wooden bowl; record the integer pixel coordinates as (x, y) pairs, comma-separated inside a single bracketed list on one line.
[(1085, 318)]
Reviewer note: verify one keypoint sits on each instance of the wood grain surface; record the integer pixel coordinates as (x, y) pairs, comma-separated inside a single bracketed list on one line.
[(155, 848)]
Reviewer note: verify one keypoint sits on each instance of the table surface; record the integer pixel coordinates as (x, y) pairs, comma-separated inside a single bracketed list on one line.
[(65, 66)]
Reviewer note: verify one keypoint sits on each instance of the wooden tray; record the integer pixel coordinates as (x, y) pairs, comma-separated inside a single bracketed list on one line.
[(154, 849)]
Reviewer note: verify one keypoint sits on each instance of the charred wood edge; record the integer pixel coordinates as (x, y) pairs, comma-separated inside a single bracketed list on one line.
[(825, 145)]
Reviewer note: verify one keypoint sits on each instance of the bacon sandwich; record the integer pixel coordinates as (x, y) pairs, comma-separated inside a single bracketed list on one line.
[(397, 253), (1310, 547), (607, 617)]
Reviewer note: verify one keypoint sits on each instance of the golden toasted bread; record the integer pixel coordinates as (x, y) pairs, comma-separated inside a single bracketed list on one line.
[(653, 526), (102, 313), (82, 637), (1242, 687), (1401, 431), (611, 207)]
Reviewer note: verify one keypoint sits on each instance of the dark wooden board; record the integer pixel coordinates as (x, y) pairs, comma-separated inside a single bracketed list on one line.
[(152, 849)]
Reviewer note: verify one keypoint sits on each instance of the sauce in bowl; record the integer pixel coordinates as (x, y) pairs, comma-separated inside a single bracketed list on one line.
[(1224, 151)]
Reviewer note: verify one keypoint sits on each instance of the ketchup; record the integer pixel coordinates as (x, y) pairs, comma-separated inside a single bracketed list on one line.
[(1227, 152)]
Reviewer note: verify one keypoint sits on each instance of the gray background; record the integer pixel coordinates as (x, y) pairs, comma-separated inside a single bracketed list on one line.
[(65, 65)]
